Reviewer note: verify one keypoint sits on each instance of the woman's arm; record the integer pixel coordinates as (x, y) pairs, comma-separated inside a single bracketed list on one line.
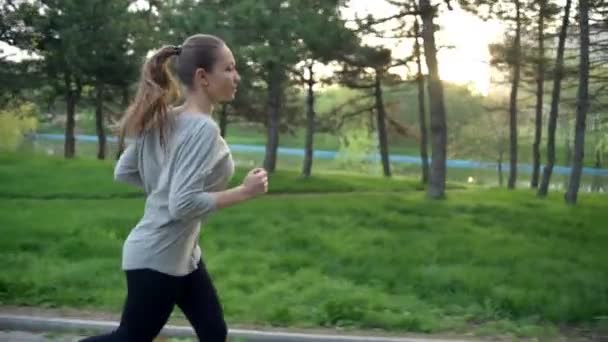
[(255, 183), (126, 170), (192, 163)]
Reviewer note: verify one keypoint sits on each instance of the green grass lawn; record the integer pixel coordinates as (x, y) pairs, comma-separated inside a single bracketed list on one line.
[(290, 166), (484, 260), (84, 178)]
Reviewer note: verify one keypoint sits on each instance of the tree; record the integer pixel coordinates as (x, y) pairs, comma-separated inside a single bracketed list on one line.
[(427, 13), (381, 123), (558, 75), (321, 36), (513, 98), (18, 79), (540, 84), (534, 65), (275, 78), (56, 32), (526, 55), (310, 122), (326, 39), (421, 106), (341, 109), (112, 59), (510, 11), (436, 189), (582, 105), (277, 36), (547, 12), (366, 70)]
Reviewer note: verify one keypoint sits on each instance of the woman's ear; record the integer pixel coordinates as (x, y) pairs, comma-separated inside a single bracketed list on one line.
[(201, 75)]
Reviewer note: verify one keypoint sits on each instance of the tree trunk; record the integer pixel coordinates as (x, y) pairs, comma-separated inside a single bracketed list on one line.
[(274, 102), (540, 81), (568, 149), (557, 80), (424, 154), (310, 125), (500, 177), (513, 100), (436, 189), (381, 122), (582, 105), (101, 134), (70, 123), (223, 120), (567, 163)]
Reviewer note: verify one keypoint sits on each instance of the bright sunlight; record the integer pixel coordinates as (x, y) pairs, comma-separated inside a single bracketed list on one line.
[(463, 56)]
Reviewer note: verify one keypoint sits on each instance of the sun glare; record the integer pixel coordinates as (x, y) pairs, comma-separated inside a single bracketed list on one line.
[(467, 61), (462, 41)]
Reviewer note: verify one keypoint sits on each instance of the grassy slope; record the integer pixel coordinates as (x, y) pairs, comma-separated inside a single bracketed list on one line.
[(52, 177), (491, 259)]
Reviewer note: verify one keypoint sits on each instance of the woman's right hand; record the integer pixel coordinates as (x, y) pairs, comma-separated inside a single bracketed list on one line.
[(256, 182)]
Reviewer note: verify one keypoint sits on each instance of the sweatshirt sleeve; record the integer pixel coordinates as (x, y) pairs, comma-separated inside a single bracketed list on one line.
[(192, 162), (126, 170)]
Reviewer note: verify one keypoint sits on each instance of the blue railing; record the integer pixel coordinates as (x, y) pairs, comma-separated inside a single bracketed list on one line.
[(329, 155)]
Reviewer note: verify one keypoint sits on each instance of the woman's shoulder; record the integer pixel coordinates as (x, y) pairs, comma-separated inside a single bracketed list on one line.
[(196, 124)]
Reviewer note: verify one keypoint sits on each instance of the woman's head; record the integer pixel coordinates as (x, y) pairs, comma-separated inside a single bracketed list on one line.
[(204, 65)]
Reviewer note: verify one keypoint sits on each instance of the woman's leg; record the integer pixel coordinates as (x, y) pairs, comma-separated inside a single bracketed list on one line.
[(150, 300), (201, 305)]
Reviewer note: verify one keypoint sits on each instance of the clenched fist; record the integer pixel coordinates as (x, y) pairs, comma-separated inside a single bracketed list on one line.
[(256, 182)]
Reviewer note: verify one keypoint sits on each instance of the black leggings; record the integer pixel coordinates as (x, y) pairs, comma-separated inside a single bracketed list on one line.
[(151, 296)]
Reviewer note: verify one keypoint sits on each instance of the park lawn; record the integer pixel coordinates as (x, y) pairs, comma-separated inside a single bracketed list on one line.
[(46, 177), (487, 261)]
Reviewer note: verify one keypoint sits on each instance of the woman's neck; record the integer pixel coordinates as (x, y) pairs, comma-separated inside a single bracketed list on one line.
[(197, 104)]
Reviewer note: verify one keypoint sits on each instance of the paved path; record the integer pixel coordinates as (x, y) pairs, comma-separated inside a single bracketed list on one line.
[(13, 328), (22, 336)]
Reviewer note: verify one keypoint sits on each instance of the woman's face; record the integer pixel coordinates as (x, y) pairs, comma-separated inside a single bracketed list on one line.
[(221, 82)]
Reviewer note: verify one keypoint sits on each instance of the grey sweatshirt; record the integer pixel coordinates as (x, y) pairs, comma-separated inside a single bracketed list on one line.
[(177, 181)]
